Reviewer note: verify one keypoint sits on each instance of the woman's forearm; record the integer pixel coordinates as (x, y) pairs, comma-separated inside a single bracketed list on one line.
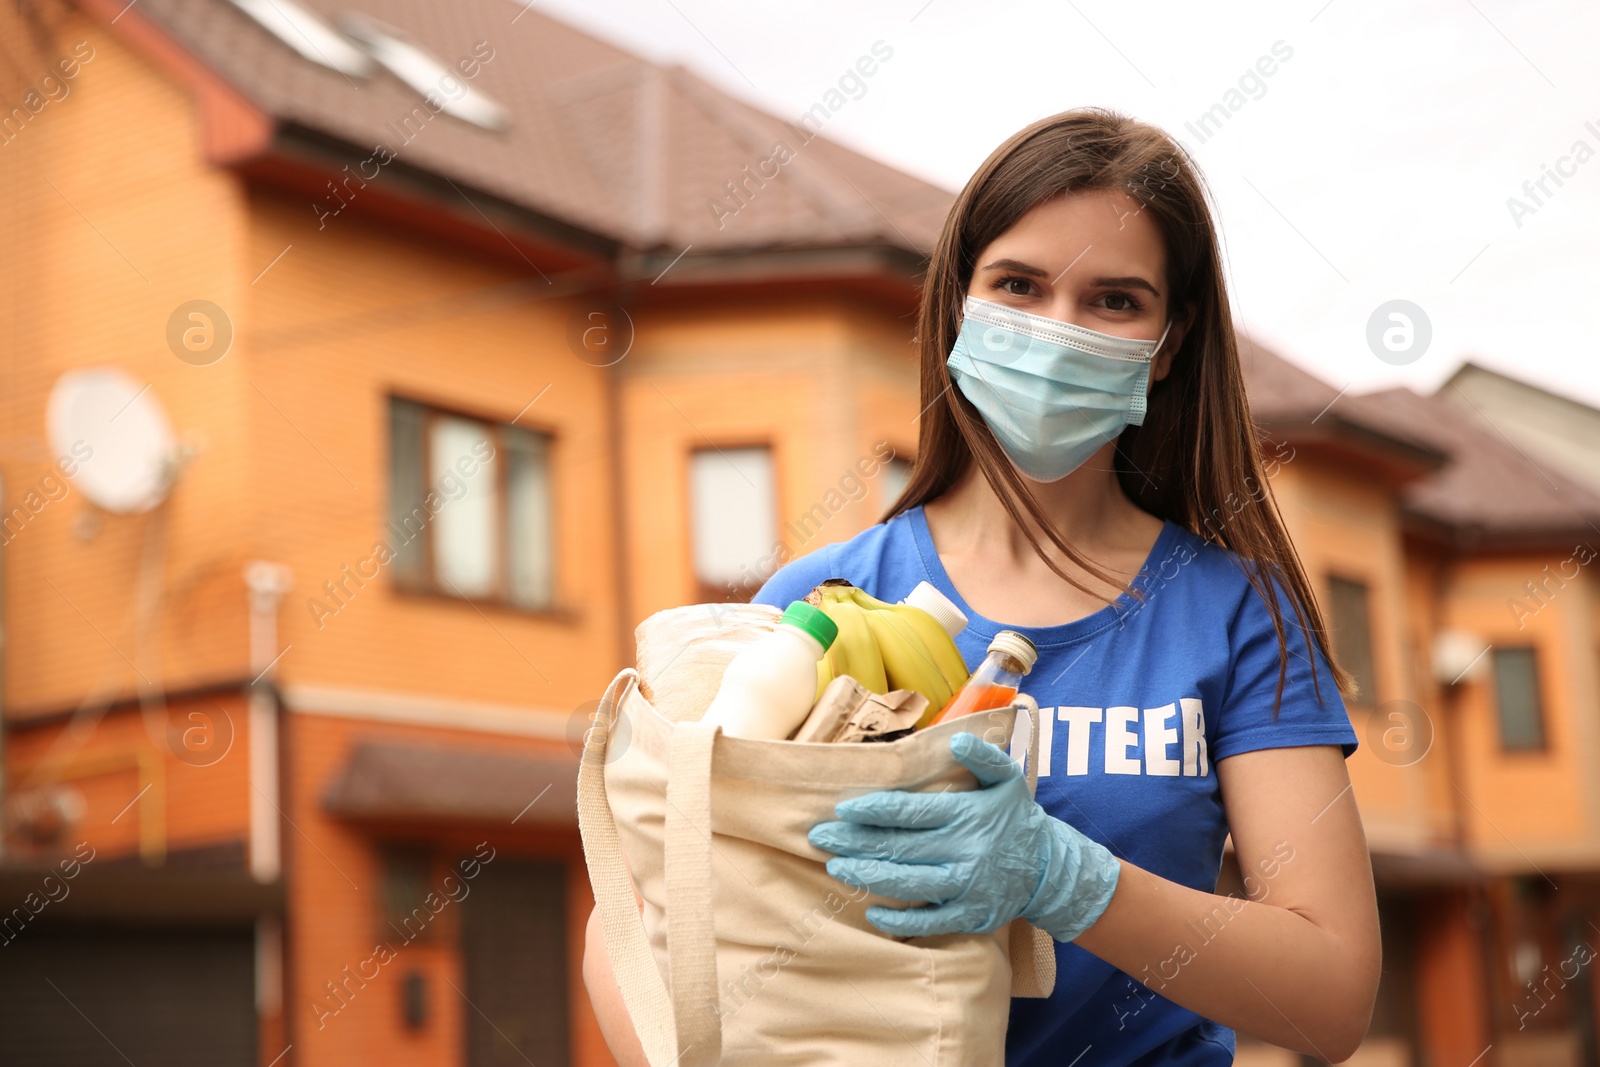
[(606, 998), (1251, 965)]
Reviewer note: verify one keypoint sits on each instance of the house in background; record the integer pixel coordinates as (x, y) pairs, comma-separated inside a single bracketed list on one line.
[(506, 339), (480, 340)]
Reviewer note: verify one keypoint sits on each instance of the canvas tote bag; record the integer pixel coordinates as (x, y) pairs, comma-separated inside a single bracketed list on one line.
[(747, 950)]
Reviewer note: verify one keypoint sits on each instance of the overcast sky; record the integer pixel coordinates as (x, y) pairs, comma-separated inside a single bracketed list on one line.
[(1374, 164)]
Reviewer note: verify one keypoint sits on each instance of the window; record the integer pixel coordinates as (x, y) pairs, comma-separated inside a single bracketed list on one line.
[(437, 82), (733, 509), (465, 540), (1351, 623), (470, 507), (528, 518), (1516, 691), (402, 894), (894, 477), (306, 33)]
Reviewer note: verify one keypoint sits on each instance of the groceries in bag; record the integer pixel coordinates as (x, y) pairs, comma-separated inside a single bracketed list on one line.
[(944, 611), (848, 711), (759, 673), (998, 678), (887, 646), (770, 687)]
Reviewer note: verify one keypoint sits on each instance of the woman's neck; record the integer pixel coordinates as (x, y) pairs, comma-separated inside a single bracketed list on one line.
[(1087, 508)]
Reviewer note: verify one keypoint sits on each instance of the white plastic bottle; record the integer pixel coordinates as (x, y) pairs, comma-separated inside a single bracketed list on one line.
[(769, 688), (944, 611)]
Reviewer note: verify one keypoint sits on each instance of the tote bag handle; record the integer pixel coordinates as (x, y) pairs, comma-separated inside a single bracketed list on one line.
[(1033, 952), (644, 993), (691, 937), (678, 1027)]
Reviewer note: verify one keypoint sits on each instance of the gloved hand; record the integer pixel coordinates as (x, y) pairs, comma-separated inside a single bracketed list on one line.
[(980, 858)]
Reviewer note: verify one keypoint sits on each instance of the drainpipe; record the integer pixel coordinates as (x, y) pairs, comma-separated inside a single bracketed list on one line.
[(624, 269), (3, 720), (1458, 662), (615, 443), (267, 582)]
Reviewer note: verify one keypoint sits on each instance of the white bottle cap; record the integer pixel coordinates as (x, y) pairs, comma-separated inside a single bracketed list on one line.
[(935, 603), (1017, 647)]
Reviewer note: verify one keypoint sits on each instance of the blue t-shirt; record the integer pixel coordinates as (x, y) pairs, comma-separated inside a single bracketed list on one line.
[(1179, 681)]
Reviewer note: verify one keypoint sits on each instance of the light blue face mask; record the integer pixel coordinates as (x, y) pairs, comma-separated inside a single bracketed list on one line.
[(1051, 392)]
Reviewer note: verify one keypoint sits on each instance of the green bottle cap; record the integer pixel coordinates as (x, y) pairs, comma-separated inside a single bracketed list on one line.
[(813, 621)]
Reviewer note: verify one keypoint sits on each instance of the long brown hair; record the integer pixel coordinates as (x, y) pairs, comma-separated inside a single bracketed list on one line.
[(1196, 461)]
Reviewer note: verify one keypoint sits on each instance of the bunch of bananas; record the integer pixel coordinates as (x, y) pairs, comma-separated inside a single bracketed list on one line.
[(888, 646)]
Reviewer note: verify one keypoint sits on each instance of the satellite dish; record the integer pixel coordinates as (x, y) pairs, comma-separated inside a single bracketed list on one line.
[(1459, 656), (133, 457)]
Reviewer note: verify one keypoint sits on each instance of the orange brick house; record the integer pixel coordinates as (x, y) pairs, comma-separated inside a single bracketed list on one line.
[(488, 367), (510, 339)]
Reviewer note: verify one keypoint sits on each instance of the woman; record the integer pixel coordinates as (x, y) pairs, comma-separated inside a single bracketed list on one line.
[(1088, 474)]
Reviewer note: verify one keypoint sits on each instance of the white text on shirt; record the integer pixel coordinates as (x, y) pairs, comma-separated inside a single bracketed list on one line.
[(1127, 748)]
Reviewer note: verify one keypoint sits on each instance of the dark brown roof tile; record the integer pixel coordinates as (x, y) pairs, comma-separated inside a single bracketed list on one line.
[(1491, 490), (597, 137)]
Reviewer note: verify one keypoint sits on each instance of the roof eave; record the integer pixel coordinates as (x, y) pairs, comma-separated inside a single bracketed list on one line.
[(771, 265), (1472, 538), (1396, 460), (300, 159)]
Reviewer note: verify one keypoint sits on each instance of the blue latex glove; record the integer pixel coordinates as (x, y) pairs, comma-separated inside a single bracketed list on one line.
[(980, 859)]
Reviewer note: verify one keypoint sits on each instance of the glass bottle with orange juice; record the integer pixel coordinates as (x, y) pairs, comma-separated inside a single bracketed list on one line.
[(994, 684)]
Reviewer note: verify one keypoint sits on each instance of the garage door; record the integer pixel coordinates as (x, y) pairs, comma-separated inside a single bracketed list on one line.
[(90, 997)]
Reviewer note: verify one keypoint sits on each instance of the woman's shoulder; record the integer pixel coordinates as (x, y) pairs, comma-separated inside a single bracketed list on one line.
[(1209, 580), (1207, 572), (870, 560)]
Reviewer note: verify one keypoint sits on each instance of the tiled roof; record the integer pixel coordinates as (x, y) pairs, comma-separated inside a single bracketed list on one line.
[(1486, 491), (1284, 396), (1279, 390), (1491, 490), (597, 137)]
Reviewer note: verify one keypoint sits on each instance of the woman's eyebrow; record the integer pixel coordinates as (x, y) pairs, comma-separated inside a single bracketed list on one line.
[(1125, 283), (1016, 265), (1019, 267)]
